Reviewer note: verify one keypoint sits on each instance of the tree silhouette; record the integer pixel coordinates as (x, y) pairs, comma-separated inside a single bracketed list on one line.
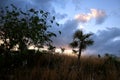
[(81, 41), (51, 48), (21, 28), (74, 51), (62, 49)]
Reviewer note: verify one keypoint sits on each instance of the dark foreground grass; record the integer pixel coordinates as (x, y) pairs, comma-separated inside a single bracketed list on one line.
[(61, 67)]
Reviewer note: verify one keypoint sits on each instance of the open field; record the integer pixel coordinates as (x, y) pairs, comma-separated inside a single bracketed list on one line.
[(44, 66)]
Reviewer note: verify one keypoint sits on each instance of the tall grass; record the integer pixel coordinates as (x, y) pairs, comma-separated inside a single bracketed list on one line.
[(61, 67)]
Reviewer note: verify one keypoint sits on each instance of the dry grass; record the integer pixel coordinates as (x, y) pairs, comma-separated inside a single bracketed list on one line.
[(62, 67)]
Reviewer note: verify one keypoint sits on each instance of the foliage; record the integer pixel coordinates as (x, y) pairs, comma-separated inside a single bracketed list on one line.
[(74, 51), (81, 41), (62, 49), (51, 48), (22, 29)]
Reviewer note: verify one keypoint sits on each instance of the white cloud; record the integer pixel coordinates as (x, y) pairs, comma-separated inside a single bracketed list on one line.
[(116, 39), (81, 27), (98, 15), (83, 17)]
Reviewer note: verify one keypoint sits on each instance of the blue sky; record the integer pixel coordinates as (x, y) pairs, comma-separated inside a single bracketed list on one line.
[(74, 7), (101, 17)]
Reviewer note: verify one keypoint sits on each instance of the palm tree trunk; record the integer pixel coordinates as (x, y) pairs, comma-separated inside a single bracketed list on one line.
[(79, 55)]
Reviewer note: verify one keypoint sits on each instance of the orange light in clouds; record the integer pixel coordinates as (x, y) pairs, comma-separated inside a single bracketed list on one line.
[(93, 14), (83, 17)]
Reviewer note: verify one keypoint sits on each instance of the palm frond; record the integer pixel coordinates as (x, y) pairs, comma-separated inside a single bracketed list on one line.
[(89, 42), (74, 44), (86, 43), (86, 36), (74, 51), (78, 34), (81, 39)]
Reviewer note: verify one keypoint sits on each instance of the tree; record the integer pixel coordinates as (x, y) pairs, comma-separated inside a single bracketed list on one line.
[(21, 28), (74, 51), (81, 41), (51, 48), (62, 49)]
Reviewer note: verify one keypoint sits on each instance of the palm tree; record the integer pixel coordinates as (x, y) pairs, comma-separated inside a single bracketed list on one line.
[(74, 51), (81, 41)]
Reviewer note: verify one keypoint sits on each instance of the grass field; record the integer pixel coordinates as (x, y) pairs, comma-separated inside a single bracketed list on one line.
[(47, 66)]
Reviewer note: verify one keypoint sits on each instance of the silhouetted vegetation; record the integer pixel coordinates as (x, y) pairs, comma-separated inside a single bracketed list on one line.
[(62, 49), (81, 41), (20, 29), (44, 66)]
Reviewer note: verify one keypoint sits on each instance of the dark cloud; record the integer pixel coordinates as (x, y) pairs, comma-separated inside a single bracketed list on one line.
[(18, 3), (46, 5), (107, 41), (67, 32), (24, 4)]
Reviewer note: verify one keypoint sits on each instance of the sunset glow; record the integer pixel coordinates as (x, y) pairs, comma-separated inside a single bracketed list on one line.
[(98, 17)]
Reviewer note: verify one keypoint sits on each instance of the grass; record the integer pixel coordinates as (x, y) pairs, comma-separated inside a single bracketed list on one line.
[(62, 67)]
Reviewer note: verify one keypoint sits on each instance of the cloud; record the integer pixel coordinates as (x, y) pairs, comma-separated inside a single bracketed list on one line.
[(107, 41), (77, 4), (98, 15), (61, 16), (67, 30), (19, 3), (83, 17), (42, 4), (46, 5)]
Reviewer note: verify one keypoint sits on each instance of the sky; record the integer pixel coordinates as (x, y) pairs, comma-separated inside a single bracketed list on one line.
[(100, 17)]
